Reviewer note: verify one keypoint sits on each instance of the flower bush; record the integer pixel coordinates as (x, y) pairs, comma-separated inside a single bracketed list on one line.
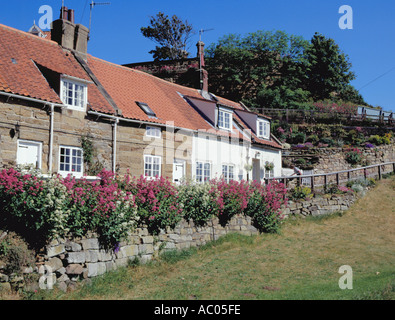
[(199, 202), (157, 202), (60, 207), (264, 205), (231, 198), (113, 206), (353, 156)]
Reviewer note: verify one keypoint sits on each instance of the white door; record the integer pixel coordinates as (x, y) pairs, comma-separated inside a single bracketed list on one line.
[(29, 153), (178, 171), (256, 169)]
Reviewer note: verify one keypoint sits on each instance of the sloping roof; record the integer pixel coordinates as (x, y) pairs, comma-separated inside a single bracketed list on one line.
[(111, 87), (22, 53)]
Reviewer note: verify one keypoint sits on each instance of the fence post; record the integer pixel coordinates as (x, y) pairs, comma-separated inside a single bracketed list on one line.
[(337, 179), (380, 176), (312, 183), (325, 181)]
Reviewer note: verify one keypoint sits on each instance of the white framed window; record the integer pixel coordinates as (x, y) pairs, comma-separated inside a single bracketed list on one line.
[(225, 119), (228, 172), (153, 132), (203, 171), (269, 174), (152, 166), (74, 94), (29, 153), (263, 127), (71, 161)]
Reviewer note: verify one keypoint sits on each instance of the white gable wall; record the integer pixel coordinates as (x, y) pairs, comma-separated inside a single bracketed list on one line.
[(219, 151)]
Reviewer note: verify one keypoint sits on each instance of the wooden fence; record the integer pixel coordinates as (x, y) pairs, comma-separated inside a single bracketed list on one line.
[(340, 177), (313, 116)]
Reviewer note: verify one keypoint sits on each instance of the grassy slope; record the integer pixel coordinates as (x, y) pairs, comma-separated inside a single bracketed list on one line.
[(300, 263)]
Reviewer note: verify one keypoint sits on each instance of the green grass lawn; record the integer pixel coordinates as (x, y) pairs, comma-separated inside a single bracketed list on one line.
[(300, 263)]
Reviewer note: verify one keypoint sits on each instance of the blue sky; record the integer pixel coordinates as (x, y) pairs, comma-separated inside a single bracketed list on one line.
[(116, 35)]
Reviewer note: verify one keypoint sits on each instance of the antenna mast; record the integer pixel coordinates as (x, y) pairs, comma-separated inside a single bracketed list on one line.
[(92, 5), (201, 33)]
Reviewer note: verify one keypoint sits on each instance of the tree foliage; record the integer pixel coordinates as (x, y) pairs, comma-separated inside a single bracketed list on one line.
[(171, 35), (268, 69), (329, 69)]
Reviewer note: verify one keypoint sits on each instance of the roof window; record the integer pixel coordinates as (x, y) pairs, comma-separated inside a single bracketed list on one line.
[(148, 111)]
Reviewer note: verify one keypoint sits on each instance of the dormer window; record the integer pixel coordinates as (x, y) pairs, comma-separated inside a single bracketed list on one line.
[(263, 129), (74, 94), (225, 119)]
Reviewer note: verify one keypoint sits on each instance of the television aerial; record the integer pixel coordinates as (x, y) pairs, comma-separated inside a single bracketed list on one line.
[(92, 5)]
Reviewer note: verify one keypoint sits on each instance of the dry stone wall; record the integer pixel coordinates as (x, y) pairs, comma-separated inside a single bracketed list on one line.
[(66, 261)]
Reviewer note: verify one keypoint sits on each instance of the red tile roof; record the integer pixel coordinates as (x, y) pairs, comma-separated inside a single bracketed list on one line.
[(21, 53)]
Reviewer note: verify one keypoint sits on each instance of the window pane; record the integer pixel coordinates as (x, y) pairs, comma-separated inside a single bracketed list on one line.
[(207, 173), (231, 176)]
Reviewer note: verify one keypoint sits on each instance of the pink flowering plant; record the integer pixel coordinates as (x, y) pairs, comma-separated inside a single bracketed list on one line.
[(157, 202), (45, 209), (231, 198), (354, 156), (100, 206), (264, 205)]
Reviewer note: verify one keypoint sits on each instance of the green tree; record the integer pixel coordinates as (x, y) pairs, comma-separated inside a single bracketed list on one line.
[(171, 35), (329, 70), (262, 69)]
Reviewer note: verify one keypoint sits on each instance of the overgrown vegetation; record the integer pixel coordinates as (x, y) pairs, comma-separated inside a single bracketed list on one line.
[(301, 263), (44, 209)]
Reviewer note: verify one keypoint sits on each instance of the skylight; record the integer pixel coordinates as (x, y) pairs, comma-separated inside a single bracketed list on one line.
[(148, 111)]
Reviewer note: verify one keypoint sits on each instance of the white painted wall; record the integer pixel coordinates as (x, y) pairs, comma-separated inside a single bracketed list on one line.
[(223, 150)]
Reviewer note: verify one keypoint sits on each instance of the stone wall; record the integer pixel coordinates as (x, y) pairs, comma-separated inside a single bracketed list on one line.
[(33, 123), (64, 262), (183, 72), (318, 206), (328, 160)]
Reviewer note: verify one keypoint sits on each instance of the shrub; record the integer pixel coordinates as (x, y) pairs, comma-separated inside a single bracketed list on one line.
[(157, 201), (353, 156), (264, 205), (314, 139), (60, 207), (231, 199), (198, 202), (297, 137), (300, 192), (357, 188)]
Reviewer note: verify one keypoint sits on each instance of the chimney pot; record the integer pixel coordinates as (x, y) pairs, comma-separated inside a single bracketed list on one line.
[(64, 13), (71, 15)]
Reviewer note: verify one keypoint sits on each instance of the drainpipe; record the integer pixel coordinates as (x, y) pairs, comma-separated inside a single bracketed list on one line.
[(50, 152), (114, 145)]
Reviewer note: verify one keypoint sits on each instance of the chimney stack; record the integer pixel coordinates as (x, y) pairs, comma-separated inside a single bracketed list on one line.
[(68, 34), (202, 65)]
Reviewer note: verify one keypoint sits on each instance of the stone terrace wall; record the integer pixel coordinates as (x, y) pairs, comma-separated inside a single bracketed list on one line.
[(66, 261), (323, 205)]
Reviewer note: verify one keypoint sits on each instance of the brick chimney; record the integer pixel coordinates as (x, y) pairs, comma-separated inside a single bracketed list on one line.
[(203, 72), (68, 34)]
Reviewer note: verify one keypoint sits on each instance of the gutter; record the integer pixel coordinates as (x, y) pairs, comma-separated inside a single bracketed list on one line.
[(51, 129)]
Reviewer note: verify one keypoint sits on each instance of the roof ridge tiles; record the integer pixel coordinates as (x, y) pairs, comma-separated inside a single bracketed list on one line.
[(24, 33)]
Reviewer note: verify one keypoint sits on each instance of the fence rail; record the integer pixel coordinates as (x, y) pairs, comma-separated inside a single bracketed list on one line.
[(339, 177), (300, 116)]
